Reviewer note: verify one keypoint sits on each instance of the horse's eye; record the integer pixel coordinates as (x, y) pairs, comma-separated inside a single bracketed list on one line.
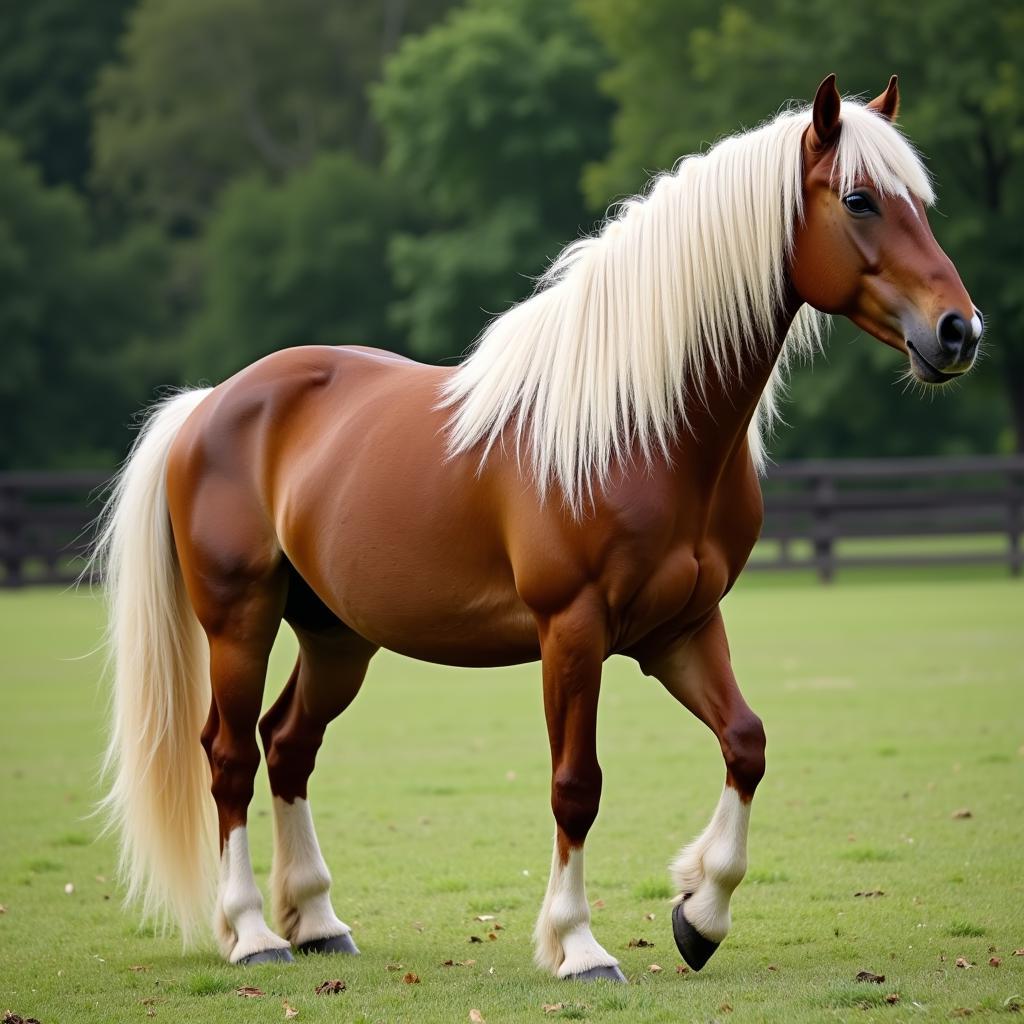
[(859, 204)]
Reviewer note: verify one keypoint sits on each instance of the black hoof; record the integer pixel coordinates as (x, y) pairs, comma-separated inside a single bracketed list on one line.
[(609, 973), (267, 956), (334, 944), (696, 950)]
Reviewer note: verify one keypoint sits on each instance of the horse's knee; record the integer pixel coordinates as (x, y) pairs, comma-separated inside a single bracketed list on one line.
[(575, 798), (743, 744)]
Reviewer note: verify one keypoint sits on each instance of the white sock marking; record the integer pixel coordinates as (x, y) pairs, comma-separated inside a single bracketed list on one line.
[(713, 865), (300, 880), (238, 921), (564, 942)]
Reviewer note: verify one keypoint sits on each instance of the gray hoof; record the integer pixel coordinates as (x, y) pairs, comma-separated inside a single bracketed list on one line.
[(606, 973), (333, 944), (267, 956), (695, 949)]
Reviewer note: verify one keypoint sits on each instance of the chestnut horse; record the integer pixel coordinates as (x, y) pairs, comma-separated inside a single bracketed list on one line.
[(584, 484)]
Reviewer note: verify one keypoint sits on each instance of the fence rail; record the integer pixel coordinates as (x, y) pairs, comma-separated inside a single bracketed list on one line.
[(813, 510), (819, 504)]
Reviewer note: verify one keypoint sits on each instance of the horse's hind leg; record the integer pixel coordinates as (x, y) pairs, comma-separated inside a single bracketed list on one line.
[(699, 675), (237, 583), (326, 679)]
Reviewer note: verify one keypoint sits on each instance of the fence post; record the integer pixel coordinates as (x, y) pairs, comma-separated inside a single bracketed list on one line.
[(11, 520), (823, 528)]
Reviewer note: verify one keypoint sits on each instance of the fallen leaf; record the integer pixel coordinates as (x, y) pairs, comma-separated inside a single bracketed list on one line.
[(411, 978), (492, 936), (289, 1010), (875, 979), (457, 963), (3, 909), (598, 904), (468, 963), (510, 775), (682, 969), (648, 917), (15, 1018), (1018, 952), (961, 1011), (868, 893), (994, 961), (137, 968), (69, 888), (475, 938), (725, 1008), (962, 961), (962, 812), (394, 967), (655, 969), (101, 879), (498, 926), (772, 967), (249, 992), (330, 988), (892, 998), (476, 1017), (552, 1007), (484, 917), (639, 944)]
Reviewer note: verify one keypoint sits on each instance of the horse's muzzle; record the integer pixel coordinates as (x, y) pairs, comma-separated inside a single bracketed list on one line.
[(949, 352)]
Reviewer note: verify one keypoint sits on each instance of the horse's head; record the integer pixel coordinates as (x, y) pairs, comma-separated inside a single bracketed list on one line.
[(864, 248)]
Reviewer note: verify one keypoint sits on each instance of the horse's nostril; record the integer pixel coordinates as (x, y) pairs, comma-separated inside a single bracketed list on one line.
[(952, 331)]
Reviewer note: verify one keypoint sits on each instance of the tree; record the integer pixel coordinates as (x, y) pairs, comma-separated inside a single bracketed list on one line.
[(682, 77), (489, 118), (72, 322), (304, 262), (206, 91), (52, 51)]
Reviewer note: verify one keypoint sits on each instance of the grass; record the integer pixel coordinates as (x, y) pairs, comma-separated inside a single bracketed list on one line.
[(890, 702)]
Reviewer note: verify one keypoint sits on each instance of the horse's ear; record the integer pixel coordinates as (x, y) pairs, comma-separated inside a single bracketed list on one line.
[(825, 115), (888, 103)]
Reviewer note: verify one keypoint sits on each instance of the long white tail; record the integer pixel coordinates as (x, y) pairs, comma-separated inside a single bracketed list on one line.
[(159, 801)]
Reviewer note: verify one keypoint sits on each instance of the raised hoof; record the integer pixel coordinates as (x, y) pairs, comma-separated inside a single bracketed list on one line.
[(696, 949), (334, 944), (603, 973), (267, 956)]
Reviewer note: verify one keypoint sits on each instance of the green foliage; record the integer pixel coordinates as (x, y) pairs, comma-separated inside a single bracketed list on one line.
[(69, 320), (489, 118), (304, 262), (685, 74), (52, 50), (233, 176), (207, 90)]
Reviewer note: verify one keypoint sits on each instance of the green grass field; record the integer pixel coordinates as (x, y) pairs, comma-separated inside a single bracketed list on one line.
[(890, 703)]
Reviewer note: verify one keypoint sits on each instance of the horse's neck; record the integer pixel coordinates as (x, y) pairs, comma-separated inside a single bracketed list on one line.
[(719, 421)]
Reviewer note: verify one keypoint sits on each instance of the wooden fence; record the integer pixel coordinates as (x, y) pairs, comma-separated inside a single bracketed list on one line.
[(818, 513), (819, 504)]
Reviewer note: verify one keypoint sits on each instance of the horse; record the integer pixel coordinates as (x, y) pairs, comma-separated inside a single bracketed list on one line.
[(584, 483)]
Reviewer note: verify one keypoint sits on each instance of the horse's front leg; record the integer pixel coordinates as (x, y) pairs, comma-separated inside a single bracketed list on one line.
[(699, 675), (572, 650)]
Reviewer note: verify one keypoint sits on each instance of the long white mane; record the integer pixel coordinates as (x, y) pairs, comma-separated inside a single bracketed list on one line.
[(603, 361)]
